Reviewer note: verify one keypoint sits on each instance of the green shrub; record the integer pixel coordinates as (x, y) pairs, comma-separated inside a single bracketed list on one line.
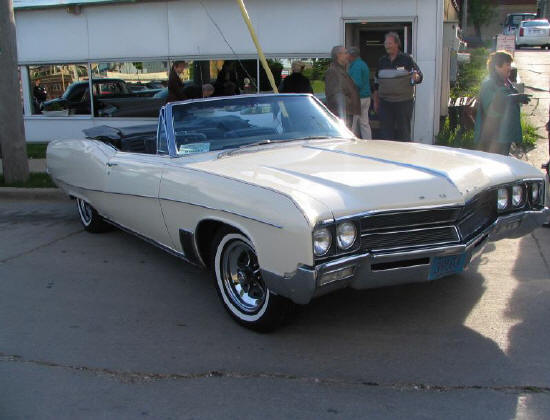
[(529, 133), (455, 138), (470, 75), (465, 138)]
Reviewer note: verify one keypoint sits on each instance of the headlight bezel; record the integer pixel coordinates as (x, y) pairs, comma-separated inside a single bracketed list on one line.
[(517, 204), (505, 199), (318, 230), (339, 234), (335, 250), (527, 202)]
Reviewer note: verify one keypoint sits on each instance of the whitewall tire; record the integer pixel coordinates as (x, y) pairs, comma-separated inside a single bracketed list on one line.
[(240, 285), (90, 219)]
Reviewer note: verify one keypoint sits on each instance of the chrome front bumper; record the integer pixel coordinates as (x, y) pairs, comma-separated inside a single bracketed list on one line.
[(372, 270)]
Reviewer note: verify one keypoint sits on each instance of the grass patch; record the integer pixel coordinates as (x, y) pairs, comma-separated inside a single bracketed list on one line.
[(529, 133), (455, 138), (36, 180), (465, 138), (318, 86), (36, 150)]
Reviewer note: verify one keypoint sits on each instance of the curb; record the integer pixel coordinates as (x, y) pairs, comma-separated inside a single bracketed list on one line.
[(32, 193)]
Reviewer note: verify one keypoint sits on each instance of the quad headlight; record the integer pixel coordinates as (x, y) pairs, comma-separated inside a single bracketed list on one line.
[(345, 235), (502, 199), (517, 195), (322, 239), (535, 192), (527, 194)]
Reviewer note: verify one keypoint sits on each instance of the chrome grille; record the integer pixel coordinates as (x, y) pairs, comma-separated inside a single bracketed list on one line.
[(383, 241), (410, 218), (477, 215), (428, 227)]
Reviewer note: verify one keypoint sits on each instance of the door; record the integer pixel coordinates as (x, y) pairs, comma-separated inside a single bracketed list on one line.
[(132, 186)]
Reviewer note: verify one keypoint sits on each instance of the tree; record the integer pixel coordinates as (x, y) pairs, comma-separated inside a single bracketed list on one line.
[(481, 12), (12, 130)]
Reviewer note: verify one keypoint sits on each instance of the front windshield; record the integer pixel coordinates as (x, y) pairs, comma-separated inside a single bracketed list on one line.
[(229, 123)]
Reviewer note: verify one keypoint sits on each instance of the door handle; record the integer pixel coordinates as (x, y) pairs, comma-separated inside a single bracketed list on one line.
[(110, 164)]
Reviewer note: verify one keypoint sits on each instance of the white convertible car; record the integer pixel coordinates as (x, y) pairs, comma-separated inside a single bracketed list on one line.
[(284, 204)]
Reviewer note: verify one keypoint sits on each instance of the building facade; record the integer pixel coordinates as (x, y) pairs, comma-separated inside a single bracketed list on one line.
[(106, 63)]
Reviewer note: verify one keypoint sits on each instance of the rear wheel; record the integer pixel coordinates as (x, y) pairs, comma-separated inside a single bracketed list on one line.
[(240, 285), (90, 219)]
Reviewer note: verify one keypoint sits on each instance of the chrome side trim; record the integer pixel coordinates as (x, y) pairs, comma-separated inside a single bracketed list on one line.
[(302, 211), (224, 211), (176, 201)]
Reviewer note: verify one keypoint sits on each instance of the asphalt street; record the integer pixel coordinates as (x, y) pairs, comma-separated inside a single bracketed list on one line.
[(107, 326)]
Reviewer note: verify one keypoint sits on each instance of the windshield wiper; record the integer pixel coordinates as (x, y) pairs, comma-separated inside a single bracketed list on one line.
[(257, 143), (318, 138)]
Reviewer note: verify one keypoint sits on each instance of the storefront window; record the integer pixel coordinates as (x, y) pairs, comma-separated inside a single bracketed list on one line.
[(59, 89), (227, 77), (129, 89)]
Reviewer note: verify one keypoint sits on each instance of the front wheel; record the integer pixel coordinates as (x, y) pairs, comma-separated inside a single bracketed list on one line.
[(90, 219), (240, 286)]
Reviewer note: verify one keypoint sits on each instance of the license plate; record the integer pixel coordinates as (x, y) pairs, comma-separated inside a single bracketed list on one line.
[(445, 266)]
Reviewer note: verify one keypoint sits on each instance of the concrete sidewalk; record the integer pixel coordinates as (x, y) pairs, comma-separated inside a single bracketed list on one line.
[(534, 70)]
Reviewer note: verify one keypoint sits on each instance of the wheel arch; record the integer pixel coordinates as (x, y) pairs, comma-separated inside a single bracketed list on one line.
[(205, 232)]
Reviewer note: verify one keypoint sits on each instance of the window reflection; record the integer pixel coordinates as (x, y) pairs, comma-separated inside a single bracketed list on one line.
[(129, 89), (312, 69), (59, 90)]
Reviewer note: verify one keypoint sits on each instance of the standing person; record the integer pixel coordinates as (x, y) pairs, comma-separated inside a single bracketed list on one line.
[(342, 95), (175, 84), (498, 117), (296, 82), (360, 74), (227, 82), (394, 96), (39, 95)]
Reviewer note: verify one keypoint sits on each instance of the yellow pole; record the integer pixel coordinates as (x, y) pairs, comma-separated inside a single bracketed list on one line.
[(258, 47)]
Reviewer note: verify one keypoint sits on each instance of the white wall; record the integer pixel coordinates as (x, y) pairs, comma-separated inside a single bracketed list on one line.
[(183, 29)]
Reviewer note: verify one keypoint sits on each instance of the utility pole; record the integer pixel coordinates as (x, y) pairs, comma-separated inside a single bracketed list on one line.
[(261, 55), (12, 130), (464, 15)]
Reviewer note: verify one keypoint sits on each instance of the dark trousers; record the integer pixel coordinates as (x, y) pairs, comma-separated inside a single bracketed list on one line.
[(395, 120)]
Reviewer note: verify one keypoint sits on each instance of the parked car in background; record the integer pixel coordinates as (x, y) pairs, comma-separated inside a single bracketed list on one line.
[(512, 21), (282, 203), (533, 33), (76, 100)]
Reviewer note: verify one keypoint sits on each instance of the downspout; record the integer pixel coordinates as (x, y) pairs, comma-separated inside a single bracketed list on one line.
[(438, 65)]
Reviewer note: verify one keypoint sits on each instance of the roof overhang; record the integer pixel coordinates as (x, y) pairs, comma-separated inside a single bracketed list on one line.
[(47, 4)]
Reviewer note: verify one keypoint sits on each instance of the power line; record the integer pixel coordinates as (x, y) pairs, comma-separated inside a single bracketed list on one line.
[(228, 44)]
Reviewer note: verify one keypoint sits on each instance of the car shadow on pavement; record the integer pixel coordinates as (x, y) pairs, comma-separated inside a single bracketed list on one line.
[(529, 309)]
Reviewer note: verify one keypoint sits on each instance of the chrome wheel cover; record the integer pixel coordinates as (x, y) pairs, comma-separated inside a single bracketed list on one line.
[(242, 278), (85, 211)]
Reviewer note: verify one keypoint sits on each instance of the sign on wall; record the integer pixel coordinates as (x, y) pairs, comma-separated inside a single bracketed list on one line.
[(506, 43)]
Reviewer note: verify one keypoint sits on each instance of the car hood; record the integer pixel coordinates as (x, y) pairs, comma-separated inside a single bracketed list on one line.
[(343, 177)]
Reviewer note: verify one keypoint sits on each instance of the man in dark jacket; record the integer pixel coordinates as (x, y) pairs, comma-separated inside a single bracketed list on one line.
[(296, 82), (175, 84), (342, 95), (394, 95)]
